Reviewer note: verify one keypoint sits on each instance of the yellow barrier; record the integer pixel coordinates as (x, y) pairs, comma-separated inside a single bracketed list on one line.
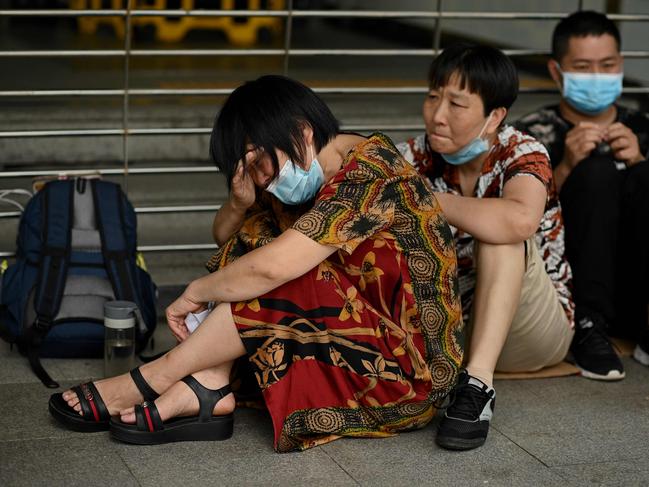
[(240, 31)]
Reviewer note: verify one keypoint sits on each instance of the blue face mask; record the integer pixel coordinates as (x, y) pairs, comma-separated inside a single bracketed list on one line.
[(294, 185), (591, 93), (470, 151)]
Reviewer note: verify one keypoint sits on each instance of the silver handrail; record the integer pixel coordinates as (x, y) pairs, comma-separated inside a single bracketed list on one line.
[(110, 172), (148, 210), (92, 53), (342, 90), (154, 248), (369, 14), (381, 90), (181, 131), (289, 14)]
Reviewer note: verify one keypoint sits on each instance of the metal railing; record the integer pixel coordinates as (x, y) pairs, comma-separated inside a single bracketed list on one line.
[(436, 14)]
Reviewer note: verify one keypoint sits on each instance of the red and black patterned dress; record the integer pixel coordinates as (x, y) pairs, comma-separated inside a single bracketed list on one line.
[(365, 343)]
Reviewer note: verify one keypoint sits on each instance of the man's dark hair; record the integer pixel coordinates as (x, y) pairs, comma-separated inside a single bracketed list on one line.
[(581, 24), (269, 113), (482, 70)]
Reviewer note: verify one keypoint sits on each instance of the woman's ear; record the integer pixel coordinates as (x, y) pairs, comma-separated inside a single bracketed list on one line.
[(307, 132), (498, 116)]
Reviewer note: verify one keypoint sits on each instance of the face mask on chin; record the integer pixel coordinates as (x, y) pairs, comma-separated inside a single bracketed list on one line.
[(294, 185), (470, 151), (591, 93)]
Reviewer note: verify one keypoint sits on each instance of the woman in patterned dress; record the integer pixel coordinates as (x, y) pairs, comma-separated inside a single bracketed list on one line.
[(336, 278)]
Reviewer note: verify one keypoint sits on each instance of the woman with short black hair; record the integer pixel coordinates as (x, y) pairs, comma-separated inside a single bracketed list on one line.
[(336, 278), (495, 186)]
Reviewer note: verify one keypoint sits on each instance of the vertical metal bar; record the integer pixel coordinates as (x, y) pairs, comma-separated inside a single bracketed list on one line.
[(580, 5), (125, 106), (287, 36), (438, 28), (613, 7)]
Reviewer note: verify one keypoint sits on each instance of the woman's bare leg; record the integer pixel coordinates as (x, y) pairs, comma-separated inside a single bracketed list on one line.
[(500, 270), (180, 400), (215, 343)]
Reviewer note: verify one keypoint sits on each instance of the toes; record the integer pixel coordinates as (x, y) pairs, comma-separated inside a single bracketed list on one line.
[(126, 411), (70, 397), (128, 417)]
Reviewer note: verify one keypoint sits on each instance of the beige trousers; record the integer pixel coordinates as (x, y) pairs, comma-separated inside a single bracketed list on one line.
[(540, 333)]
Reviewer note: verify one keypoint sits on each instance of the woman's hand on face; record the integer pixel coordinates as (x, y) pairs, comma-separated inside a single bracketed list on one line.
[(242, 195), (177, 312)]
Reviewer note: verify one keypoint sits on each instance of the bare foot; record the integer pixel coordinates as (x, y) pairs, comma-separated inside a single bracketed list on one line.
[(117, 392), (180, 400)]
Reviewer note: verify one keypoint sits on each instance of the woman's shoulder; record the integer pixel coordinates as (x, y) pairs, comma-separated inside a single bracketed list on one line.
[(517, 144), (377, 154)]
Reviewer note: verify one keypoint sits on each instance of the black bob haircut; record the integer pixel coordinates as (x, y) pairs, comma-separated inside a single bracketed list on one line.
[(582, 24), (269, 113), (482, 70)]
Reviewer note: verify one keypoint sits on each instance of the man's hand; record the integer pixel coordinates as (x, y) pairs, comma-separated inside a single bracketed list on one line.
[(581, 140), (624, 144)]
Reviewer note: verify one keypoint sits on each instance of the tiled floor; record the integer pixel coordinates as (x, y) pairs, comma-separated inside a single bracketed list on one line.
[(566, 431)]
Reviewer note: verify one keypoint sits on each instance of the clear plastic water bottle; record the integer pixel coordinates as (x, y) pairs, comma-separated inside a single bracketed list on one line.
[(119, 342)]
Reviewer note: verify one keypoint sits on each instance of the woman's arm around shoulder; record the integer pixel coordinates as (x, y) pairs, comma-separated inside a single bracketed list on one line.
[(512, 218)]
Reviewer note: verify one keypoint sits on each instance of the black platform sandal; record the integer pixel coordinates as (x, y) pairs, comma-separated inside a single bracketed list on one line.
[(95, 413), (149, 429)]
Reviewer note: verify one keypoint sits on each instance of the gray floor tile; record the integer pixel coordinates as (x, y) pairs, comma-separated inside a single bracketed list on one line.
[(576, 387), (76, 461), (414, 459), (15, 367), (627, 473), (245, 459), (25, 415), (562, 430), (566, 431)]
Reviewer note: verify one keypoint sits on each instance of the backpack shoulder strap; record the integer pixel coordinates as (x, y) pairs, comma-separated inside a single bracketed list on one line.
[(110, 223), (58, 210)]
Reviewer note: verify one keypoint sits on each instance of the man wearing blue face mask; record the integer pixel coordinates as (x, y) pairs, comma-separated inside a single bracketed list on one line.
[(495, 187), (598, 151)]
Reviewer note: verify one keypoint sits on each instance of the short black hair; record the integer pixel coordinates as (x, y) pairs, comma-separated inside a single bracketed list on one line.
[(270, 113), (483, 70), (582, 24)]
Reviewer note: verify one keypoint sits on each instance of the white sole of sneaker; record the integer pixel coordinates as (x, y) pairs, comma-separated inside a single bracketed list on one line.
[(641, 356), (613, 375)]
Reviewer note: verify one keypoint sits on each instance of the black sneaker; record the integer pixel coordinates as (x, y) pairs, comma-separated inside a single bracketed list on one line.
[(466, 421), (593, 353)]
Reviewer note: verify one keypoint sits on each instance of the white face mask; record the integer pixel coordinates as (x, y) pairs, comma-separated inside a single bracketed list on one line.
[(295, 185), (470, 151)]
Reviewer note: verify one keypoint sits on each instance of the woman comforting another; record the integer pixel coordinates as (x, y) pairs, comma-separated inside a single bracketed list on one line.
[(336, 277)]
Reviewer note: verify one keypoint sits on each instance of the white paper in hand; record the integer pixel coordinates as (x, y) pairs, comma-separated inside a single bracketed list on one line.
[(194, 319)]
